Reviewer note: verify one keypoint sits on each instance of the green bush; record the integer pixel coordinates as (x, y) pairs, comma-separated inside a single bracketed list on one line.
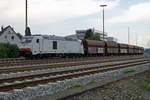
[(8, 50), (13, 51), (3, 51)]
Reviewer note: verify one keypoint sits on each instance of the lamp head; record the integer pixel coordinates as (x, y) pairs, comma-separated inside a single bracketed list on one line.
[(103, 5)]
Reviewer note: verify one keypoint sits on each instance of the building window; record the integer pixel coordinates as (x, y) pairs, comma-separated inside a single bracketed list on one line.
[(9, 32), (54, 44), (12, 37), (5, 37)]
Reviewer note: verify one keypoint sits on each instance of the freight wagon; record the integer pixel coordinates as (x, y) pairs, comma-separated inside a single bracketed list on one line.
[(131, 50), (112, 48), (93, 47), (123, 49)]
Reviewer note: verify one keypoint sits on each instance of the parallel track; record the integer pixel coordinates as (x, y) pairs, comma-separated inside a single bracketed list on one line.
[(65, 72), (55, 60), (22, 69), (67, 75)]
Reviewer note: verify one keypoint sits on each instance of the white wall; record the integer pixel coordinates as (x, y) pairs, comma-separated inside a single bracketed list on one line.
[(6, 37)]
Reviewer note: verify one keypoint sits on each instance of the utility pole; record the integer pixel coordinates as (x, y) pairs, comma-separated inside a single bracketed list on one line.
[(103, 20), (128, 35), (27, 28)]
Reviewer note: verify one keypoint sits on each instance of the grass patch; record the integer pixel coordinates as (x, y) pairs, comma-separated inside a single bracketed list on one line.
[(147, 80), (92, 81), (140, 97), (77, 85), (129, 71), (145, 84), (114, 95)]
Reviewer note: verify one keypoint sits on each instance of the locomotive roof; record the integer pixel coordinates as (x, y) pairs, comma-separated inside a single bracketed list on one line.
[(53, 37)]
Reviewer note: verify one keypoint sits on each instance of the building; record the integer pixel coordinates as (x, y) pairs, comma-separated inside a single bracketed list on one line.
[(81, 34), (8, 35), (112, 39)]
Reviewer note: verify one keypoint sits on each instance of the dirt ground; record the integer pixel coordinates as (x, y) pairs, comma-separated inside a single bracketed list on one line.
[(136, 87)]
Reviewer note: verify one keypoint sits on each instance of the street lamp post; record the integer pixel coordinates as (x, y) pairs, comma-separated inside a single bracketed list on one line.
[(103, 20)]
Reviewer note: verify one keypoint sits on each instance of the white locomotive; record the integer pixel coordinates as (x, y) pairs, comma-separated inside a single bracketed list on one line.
[(47, 45)]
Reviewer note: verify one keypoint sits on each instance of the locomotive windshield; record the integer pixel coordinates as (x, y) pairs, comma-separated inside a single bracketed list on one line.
[(27, 39)]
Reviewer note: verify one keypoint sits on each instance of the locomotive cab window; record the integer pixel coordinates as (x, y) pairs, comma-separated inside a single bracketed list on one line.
[(54, 44), (37, 41)]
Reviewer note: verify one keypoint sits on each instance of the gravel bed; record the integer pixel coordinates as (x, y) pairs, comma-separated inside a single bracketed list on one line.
[(50, 88), (25, 73)]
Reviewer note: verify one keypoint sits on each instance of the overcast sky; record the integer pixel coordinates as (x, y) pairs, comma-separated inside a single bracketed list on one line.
[(63, 17)]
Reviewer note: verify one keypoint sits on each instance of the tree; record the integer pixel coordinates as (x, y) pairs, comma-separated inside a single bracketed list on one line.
[(96, 37), (89, 35)]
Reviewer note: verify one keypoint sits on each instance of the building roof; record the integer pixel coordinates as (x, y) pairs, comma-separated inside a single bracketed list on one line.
[(4, 29)]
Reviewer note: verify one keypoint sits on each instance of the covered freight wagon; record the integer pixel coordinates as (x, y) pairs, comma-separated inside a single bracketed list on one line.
[(131, 50), (136, 50), (93, 47), (141, 50), (112, 48), (123, 49)]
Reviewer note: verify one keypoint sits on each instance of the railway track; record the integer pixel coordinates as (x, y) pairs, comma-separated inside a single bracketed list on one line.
[(8, 70), (11, 59), (55, 60), (67, 71), (63, 75)]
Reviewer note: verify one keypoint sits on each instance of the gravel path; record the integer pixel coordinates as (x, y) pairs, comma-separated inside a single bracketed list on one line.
[(135, 87)]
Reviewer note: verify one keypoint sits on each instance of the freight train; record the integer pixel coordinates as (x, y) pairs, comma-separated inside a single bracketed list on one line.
[(50, 46)]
